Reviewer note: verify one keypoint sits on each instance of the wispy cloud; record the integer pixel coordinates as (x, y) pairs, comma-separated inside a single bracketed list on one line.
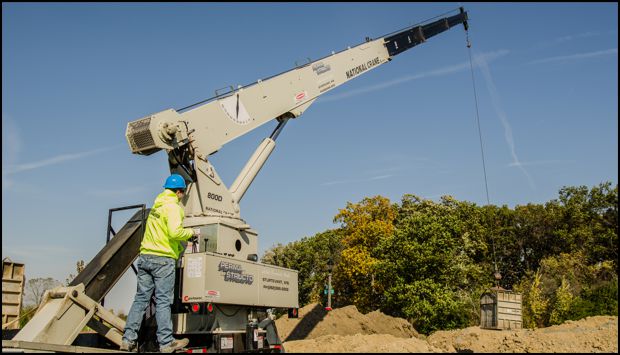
[(380, 177), (575, 36), (571, 37), (11, 139), (490, 56), (393, 169), (11, 146), (17, 168), (542, 162), (578, 56), (37, 251), (116, 192), (482, 63), (350, 181)]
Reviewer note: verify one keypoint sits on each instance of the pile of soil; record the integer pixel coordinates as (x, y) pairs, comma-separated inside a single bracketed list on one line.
[(314, 321), (588, 335), (358, 343), (347, 330)]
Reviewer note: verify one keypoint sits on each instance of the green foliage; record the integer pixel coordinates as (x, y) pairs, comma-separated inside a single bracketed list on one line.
[(534, 304), (566, 287), (26, 314), (364, 226), (600, 300), (430, 262), (589, 220), (310, 257), (429, 305), (561, 303)]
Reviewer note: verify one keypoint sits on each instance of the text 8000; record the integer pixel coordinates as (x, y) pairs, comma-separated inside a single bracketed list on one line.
[(214, 197)]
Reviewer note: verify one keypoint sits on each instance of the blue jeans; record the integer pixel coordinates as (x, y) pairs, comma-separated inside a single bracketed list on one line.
[(154, 272)]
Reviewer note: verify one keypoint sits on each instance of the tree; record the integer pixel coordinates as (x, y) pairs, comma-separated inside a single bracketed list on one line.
[(566, 287), (35, 289), (364, 225), (561, 303), (534, 303), (26, 313), (429, 266), (79, 266), (429, 262), (309, 257), (589, 220)]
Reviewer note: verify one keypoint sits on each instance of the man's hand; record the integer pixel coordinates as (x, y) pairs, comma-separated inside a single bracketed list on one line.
[(194, 237)]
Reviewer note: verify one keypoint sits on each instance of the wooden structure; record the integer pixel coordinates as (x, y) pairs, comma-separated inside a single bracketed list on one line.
[(12, 290), (500, 309)]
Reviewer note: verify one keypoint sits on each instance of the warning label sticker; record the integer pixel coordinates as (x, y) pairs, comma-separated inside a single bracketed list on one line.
[(194, 267)]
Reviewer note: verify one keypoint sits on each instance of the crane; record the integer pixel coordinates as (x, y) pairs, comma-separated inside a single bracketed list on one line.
[(223, 293)]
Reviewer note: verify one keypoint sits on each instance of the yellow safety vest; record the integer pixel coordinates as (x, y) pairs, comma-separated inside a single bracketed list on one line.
[(164, 227)]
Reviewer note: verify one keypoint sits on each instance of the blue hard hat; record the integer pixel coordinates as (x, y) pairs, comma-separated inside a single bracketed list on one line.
[(175, 181)]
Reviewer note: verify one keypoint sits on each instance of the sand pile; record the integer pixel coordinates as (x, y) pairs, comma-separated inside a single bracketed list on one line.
[(347, 330), (588, 335), (314, 322)]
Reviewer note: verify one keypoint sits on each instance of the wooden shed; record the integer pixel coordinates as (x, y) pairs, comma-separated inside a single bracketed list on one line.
[(500, 309)]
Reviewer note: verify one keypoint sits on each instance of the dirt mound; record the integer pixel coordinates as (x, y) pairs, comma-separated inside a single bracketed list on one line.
[(360, 343), (314, 321), (588, 335), (347, 330)]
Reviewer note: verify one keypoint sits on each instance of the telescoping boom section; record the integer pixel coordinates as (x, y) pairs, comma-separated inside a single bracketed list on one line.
[(230, 115), (191, 134)]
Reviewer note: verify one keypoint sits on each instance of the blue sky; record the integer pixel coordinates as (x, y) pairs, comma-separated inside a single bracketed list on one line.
[(74, 74)]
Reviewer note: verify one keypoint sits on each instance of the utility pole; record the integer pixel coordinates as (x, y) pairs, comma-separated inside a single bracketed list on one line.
[(330, 266), (329, 292)]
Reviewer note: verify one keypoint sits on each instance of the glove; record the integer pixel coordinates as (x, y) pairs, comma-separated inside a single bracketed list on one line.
[(194, 237)]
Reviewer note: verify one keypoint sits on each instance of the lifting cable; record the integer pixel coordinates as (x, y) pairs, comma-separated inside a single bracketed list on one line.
[(496, 274)]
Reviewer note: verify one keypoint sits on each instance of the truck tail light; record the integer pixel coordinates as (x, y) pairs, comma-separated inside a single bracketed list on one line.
[(195, 307)]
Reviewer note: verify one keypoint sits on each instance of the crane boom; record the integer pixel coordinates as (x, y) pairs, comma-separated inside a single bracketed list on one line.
[(289, 94), (192, 134)]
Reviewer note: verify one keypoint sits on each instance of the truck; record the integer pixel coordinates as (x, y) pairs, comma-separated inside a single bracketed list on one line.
[(224, 296)]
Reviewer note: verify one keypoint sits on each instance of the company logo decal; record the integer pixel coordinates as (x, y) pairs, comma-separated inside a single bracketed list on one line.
[(300, 97), (320, 68), (363, 67), (234, 273)]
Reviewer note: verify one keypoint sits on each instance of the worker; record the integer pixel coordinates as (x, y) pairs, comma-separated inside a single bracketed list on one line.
[(159, 252)]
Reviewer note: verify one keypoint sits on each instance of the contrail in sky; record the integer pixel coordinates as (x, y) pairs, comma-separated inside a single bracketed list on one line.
[(437, 72), (576, 56), (52, 161), (543, 162), (380, 177), (482, 64)]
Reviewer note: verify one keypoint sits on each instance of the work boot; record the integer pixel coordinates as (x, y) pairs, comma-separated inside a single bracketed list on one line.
[(174, 346), (127, 346)]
